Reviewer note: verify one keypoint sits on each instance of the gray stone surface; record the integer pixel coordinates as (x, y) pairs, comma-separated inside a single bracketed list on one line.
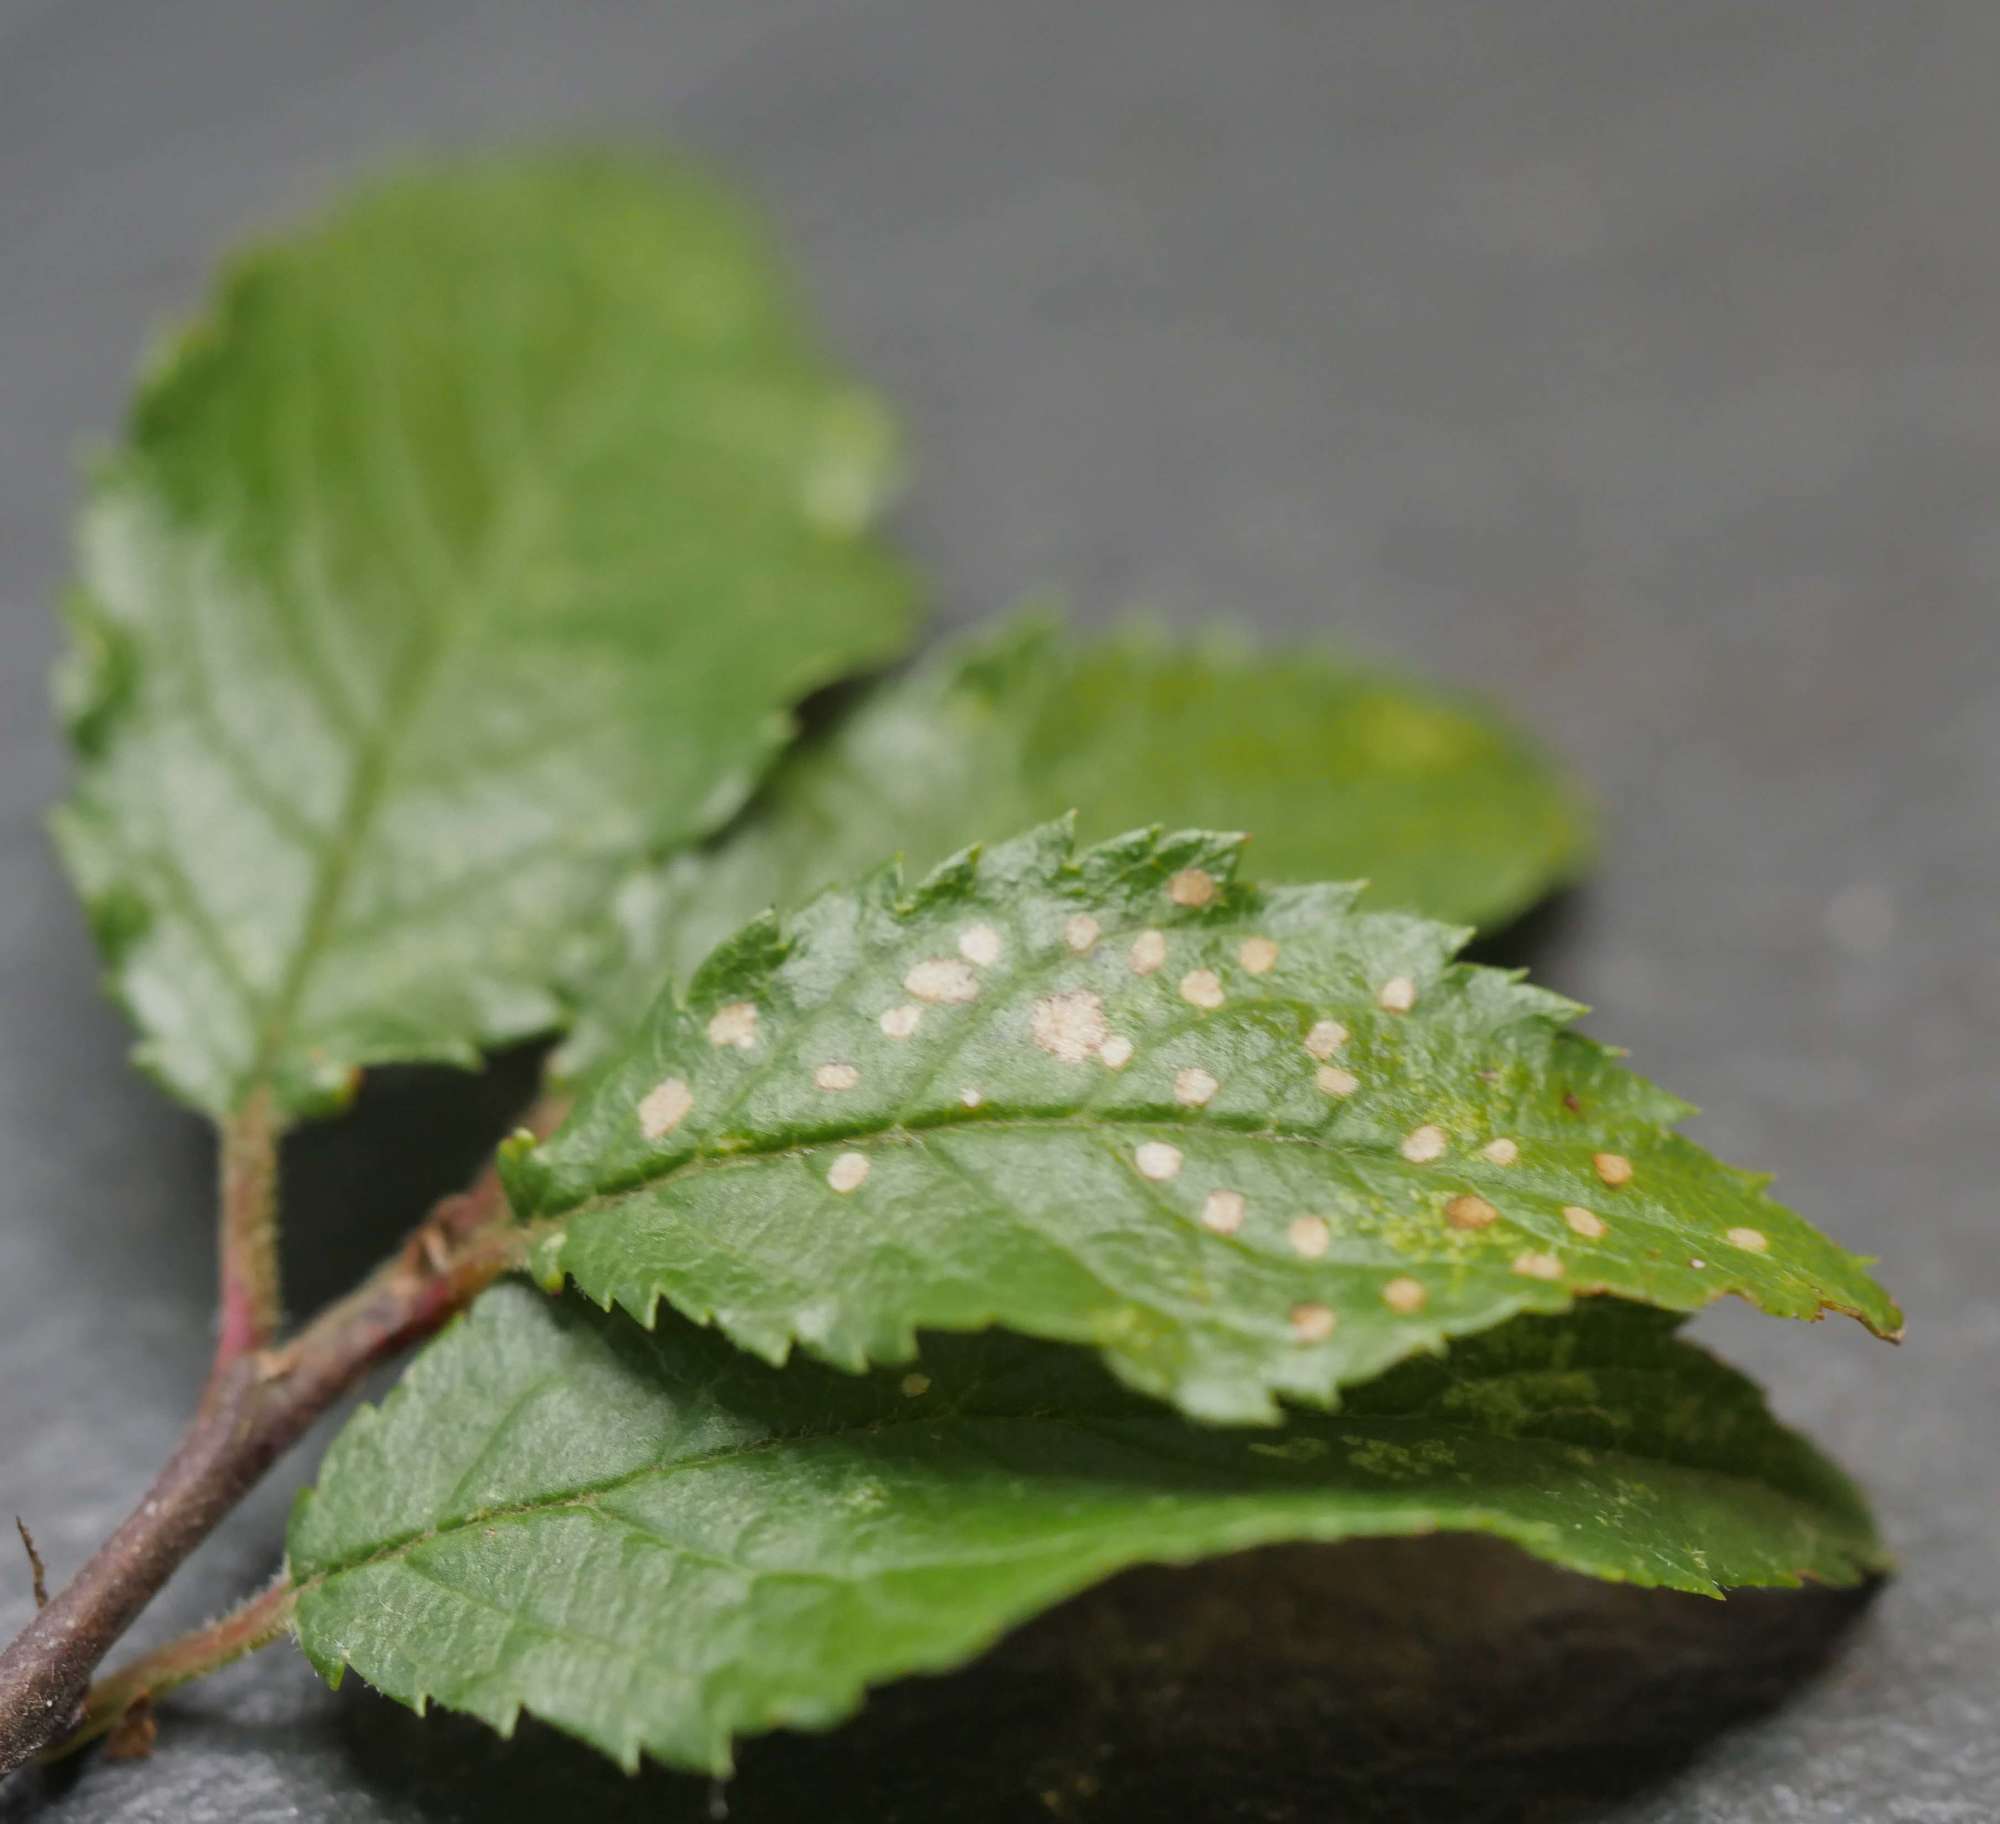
[(1636, 365)]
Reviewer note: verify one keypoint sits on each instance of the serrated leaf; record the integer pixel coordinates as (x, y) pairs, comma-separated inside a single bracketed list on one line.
[(658, 1544), (1338, 771), (1247, 1142), (467, 552)]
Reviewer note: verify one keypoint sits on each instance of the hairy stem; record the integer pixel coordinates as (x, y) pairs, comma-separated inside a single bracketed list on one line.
[(255, 1407), (244, 1629)]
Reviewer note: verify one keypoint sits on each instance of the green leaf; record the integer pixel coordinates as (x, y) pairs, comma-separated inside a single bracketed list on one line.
[(1249, 1143), (466, 553), (1339, 773), (657, 1544)]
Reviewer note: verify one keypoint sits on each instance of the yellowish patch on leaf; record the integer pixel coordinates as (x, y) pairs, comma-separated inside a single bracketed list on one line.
[(1312, 1323), (1469, 1212)]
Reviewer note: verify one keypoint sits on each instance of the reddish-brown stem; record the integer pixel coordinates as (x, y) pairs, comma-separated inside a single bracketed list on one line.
[(256, 1405)]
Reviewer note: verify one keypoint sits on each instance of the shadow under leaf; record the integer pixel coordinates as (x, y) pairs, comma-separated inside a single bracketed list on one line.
[(1448, 1678)]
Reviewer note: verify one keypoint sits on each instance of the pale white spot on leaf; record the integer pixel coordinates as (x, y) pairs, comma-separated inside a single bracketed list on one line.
[(1201, 988), (1538, 1266), (1586, 1223), (1398, 995), (1080, 933), (1116, 1051), (1326, 1037), (1310, 1237), (1149, 951), (1259, 955), (1500, 1152), (1614, 1168), (848, 1172), (836, 1077), (1753, 1239), (735, 1024), (1192, 887), (900, 1022), (1222, 1211), (1157, 1160), (664, 1107), (1333, 1081), (1423, 1144), (1193, 1087), (980, 945), (943, 980), (1070, 1026), (1404, 1295)]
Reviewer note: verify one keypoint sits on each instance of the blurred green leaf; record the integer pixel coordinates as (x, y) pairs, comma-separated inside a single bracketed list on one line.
[(1337, 771), (469, 551)]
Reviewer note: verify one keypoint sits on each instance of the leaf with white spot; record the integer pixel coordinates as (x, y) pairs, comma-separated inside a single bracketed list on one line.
[(1338, 772), (1249, 1143), (658, 1544), (465, 555)]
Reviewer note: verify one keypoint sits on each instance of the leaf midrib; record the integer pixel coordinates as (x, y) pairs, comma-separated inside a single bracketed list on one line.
[(945, 1120)]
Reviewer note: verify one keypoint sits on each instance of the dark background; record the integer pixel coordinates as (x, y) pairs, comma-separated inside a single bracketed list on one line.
[(1636, 365)]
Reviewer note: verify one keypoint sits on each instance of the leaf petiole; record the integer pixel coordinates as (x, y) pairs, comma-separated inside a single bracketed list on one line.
[(250, 1296)]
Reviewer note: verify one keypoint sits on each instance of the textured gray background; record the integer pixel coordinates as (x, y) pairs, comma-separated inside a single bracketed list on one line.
[(1635, 364)]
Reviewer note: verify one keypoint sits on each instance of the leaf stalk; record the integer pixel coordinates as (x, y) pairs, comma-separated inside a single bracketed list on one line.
[(250, 1296)]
